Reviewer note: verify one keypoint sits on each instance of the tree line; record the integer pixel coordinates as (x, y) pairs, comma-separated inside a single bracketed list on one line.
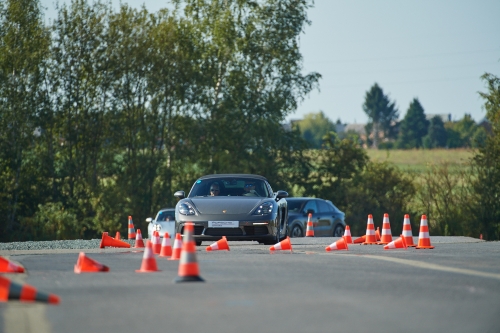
[(106, 113), (384, 130)]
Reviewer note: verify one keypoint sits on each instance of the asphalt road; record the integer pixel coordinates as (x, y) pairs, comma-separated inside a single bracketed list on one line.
[(454, 287)]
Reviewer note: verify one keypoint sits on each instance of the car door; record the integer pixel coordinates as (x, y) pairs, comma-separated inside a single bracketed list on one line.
[(324, 219)]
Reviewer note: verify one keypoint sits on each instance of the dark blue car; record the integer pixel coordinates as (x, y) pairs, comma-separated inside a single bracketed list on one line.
[(327, 219)]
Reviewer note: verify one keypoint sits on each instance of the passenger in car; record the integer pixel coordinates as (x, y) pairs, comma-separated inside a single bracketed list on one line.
[(249, 190)]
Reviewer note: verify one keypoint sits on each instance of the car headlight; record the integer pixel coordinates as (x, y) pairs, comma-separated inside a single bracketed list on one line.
[(265, 208), (186, 209)]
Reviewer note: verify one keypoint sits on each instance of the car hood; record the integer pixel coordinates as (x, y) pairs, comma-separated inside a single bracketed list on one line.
[(232, 205)]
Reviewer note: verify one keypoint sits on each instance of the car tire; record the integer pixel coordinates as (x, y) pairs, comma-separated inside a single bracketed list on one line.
[(296, 231), (338, 231), (198, 243), (276, 238)]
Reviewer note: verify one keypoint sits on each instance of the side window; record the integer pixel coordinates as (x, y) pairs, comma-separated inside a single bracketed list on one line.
[(332, 206), (323, 207), (311, 205)]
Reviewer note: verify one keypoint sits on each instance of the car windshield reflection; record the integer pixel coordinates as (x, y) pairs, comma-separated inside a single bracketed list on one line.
[(165, 216), (242, 187)]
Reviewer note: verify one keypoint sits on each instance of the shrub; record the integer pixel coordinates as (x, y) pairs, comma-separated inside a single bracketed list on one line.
[(445, 194), (53, 221), (380, 188)]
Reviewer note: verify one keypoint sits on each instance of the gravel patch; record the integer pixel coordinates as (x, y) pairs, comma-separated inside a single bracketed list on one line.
[(79, 244)]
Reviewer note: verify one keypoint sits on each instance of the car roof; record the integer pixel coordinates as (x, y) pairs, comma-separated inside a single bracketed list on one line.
[(302, 198), (235, 175)]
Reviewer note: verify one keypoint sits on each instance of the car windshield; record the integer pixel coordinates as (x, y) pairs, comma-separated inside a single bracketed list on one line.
[(230, 186), (165, 216)]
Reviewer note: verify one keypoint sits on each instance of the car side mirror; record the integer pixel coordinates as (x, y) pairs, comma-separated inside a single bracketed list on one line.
[(149, 220), (281, 194), (180, 194), (310, 211)]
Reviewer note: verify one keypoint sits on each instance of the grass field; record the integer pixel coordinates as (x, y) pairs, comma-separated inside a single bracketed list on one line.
[(419, 159)]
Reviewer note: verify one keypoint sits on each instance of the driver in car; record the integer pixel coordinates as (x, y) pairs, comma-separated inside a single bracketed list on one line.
[(214, 189)]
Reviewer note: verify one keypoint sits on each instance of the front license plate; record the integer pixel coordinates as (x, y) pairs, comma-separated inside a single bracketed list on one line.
[(223, 224)]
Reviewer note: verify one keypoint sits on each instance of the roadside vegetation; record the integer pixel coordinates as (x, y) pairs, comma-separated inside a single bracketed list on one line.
[(105, 114)]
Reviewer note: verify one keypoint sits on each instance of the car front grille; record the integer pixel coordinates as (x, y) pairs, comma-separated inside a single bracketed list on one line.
[(256, 230), (198, 229), (223, 232)]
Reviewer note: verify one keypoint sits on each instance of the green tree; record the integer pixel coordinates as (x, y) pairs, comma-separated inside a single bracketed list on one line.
[(436, 137), (334, 166), (382, 114), (465, 133), (453, 137), (487, 186), (314, 127), (249, 79), (80, 92), (24, 43), (413, 127)]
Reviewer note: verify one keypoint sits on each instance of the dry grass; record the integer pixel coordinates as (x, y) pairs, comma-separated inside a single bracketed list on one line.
[(419, 159)]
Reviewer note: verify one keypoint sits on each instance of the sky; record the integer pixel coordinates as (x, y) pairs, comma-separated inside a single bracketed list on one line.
[(433, 50)]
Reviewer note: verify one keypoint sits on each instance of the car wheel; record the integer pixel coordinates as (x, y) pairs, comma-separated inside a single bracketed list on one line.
[(338, 231), (198, 243), (296, 231)]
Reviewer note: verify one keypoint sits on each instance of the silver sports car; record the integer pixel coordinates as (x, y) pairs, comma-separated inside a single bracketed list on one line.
[(238, 206)]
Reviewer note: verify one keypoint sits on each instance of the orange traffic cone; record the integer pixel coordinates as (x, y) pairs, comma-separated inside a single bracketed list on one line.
[(370, 232), (110, 241), (88, 265), (341, 244), (176, 252), (283, 245), (424, 241), (386, 231), (399, 243), (377, 234), (347, 235), (408, 236), (7, 266), (23, 292), (219, 245), (310, 227), (166, 249), (359, 240), (148, 264), (139, 242), (155, 240), (188, 266), (131, 229), (118, 236)]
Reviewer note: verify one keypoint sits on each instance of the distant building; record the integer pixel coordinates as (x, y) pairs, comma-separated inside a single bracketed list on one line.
[(340, 128), (358, 128)]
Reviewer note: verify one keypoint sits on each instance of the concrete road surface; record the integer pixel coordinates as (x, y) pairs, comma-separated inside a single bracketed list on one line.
[(454, 287)]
